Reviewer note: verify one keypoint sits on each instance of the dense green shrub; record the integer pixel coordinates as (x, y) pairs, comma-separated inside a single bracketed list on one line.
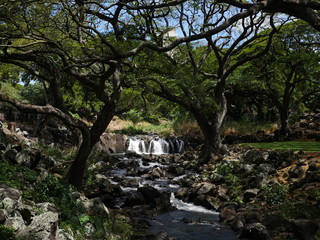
[(275, 193), (17, 176), (52, 189), (7, 233)]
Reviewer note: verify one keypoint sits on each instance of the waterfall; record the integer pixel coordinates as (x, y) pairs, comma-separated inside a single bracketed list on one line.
[(155, 146), (137, 145)]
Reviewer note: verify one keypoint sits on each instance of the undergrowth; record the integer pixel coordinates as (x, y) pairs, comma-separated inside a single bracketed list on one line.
[(247, 127)]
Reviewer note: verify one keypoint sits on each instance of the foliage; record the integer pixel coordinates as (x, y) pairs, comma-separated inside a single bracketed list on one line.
[(275, 193), (34, 93), (187, 128), (11, 91), (57, 153), (120, 225), (164, 128), (247, 127), (291, 210), (17, 176), (306, 146), (51, 189), (7, 233)]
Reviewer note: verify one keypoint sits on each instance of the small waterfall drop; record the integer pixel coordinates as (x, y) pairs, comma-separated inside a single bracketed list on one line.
[(137, 145), (156, 146)]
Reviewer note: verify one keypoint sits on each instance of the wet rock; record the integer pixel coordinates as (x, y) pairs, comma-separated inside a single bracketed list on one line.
[(203, 188), (205, 201), (132, 182), (133, 199), (227, 214), (237, 223), (182, 193), (222, 193), (255, 231), (305, 229), (177, 171), (157, 172), (273, 222)]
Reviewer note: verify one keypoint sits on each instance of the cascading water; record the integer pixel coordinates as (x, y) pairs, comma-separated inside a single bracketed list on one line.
[(155, 146), (137, 145)]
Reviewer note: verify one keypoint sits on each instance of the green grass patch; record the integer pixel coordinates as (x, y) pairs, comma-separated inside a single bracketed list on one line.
[(164, 128), (291, 145)]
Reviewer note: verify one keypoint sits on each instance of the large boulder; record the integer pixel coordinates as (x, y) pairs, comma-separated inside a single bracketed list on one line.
[(255, 231), (43, 226), (112, 143), (305, 229)]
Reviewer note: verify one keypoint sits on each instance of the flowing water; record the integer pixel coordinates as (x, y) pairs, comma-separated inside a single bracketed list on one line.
[(187, 222)]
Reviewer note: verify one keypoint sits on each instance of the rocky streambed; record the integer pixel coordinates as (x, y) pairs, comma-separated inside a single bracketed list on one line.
[(249, 190), (246, 194)]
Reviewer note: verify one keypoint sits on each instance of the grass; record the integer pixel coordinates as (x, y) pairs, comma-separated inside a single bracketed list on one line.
[(291, 145), (164, 128)]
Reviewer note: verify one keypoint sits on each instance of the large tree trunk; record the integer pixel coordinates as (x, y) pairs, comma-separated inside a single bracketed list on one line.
[(284, 128), (76, 173), (211, 132)]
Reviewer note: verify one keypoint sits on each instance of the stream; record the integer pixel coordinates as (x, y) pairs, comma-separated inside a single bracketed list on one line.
[(187, 221)]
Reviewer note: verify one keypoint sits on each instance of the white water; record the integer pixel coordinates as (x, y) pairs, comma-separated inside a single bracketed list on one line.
[(137, 145), (156, 146), (189, 207)]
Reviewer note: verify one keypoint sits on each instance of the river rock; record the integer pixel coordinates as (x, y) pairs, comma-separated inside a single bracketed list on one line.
[(255, 231), (227, 214), (204, 188), (305, 229)]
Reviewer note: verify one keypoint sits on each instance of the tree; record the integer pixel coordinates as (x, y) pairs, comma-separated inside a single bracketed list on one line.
[(196, 77), (288, 74), (87, 44), (306, 10)]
